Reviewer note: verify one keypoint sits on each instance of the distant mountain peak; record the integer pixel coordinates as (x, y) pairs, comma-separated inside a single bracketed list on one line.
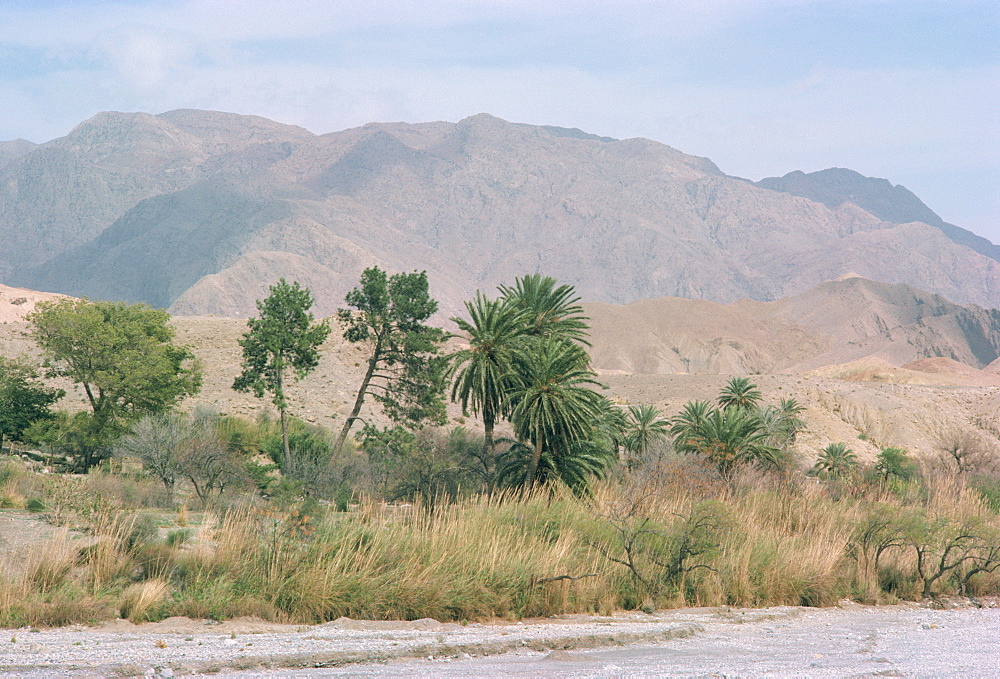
[(891, 203)]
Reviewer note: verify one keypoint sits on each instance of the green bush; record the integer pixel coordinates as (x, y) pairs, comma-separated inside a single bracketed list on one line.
[(35, 505)]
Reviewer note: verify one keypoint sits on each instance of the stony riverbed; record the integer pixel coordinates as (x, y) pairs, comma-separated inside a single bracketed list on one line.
[(905, 640)]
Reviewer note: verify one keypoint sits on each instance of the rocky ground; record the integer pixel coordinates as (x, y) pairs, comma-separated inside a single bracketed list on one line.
[(850, 640)]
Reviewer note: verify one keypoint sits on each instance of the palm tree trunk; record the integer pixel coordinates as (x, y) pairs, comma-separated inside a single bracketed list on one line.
[(536, 456)]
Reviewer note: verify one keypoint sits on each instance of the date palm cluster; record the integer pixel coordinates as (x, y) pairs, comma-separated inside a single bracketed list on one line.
[(526, 362), (738, 429)]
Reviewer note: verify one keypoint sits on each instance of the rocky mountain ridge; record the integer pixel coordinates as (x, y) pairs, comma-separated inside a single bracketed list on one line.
[(200, 211)]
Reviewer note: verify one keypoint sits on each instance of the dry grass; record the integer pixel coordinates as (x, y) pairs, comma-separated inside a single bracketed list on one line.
[(139, 601), (763, 540)]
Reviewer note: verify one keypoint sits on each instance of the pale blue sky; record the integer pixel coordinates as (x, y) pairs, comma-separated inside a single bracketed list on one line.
[(908, 90)]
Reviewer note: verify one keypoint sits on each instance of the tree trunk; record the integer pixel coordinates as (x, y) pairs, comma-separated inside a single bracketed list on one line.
[(536, 456), (489, 448), (358, 402), (280, 394)]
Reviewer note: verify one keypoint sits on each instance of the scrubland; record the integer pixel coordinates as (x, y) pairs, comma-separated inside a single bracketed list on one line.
[(669, 533)]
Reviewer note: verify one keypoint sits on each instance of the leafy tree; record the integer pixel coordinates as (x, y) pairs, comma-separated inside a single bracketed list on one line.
[(482, 371), (121, 354), (549, 310), (551, 403), (432, 464), (405, 372), (308, 463), (283, 340), (836, 460), (896, 463), (75, 435), (23, 399)]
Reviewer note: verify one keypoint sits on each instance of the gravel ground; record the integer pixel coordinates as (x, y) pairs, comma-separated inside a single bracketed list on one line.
[(848, 641)]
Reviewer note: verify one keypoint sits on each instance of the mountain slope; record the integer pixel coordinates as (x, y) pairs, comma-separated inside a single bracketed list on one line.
[(896, 204), (833, 323), (200, 211)]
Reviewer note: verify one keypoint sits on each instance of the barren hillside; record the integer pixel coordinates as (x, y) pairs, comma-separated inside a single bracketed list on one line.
[(200, 211)]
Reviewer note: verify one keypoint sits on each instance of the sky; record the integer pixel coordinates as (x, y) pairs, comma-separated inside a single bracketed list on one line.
[(907, 90)]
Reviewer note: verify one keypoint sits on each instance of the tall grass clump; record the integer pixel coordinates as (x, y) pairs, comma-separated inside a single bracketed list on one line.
[(667, 535)]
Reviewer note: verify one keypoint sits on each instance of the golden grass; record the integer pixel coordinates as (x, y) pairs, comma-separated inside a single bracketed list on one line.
[(761, 541), (138, 601)]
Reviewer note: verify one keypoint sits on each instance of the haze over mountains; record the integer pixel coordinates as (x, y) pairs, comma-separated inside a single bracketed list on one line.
[(200, 211)]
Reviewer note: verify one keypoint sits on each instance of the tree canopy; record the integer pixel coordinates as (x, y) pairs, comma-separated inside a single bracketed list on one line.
[(282, 342), (23, 398), (122, 355), (405, 369)]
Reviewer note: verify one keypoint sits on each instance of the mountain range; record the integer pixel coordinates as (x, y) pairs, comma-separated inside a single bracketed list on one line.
[(199, 211)]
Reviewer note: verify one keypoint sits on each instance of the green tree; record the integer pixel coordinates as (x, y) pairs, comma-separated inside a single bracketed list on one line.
[(482, 371), (551, 403), (283, 341), (739, 392), (549, 309), (121, 354), (896, 463), (644, 427), (23, 398), (836, 460), (728, 437), (405, 371)]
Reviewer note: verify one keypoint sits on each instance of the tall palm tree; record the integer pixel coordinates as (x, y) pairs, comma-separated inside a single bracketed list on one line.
[(550, 310), (644, 427), (482, 371), (549, 398), (739, 392)]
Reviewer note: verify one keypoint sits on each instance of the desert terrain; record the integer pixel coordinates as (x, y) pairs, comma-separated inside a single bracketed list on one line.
[(867, 402)]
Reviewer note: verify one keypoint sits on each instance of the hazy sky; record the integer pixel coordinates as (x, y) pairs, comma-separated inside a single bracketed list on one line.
[(908, 90)]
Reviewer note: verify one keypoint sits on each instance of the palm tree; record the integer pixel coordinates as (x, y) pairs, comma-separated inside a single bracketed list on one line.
[(836, 460), (688, 420), (549, 310), (482, 370), (609, 428), (739, 392), (644, 427), (575, 466), (782, 423), (727, 437), (549, 399)]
